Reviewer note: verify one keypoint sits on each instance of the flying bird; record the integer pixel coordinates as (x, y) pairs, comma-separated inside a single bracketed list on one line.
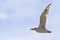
[(43, 19)]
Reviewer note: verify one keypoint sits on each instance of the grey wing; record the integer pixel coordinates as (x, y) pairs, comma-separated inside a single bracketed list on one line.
[(43, 17), (42, 22)]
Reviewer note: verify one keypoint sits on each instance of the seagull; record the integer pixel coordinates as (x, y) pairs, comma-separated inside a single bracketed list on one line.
[(43, 19)]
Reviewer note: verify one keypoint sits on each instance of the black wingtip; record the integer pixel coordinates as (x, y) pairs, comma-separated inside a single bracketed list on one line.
[(49, 31), (31, 29), (49, 4)]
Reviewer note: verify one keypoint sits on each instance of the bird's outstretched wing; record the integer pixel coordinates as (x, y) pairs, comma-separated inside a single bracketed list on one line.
[(43, 17)]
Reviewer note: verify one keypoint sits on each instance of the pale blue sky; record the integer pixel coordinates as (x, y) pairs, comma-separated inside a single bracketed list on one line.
[(18, 16)]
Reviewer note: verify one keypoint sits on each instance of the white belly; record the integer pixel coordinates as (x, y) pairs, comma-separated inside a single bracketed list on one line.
[(46, 21)]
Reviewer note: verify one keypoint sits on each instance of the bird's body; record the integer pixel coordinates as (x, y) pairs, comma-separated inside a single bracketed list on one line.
[(43, 19), (41, 30)]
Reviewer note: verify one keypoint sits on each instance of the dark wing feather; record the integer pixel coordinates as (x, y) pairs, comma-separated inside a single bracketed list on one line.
[(43, 17)]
